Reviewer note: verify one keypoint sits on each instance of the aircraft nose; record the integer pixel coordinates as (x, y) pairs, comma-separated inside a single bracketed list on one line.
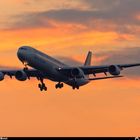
[(20, 54)]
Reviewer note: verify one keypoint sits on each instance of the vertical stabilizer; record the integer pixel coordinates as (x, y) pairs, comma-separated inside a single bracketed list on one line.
[(88, 59)]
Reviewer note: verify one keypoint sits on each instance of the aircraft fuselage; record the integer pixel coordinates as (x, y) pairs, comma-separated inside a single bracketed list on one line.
[(47, 65)]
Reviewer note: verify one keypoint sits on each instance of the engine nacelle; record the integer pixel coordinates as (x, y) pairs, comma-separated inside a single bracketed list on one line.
[(1, 76), (21, 76), (114, 70), (77, 73)]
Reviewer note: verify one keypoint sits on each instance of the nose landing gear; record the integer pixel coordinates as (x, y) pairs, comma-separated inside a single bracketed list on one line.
[(25, 66), (41, 85)]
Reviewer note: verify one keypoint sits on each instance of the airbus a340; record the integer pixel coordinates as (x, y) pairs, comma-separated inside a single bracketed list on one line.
[(46, 67)]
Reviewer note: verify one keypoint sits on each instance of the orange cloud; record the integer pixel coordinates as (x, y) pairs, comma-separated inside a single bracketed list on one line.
[(102, 108), (62, 38), (96, 60)]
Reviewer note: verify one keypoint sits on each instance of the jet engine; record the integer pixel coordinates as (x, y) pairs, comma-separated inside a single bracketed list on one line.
[(1, 76), (77, 73), (114, 70), (21, 76)]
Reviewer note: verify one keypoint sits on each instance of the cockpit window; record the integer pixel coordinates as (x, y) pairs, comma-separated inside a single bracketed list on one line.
[(23, 48)]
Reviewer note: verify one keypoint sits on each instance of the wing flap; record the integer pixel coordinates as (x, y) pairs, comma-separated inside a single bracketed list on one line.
[(102, 78)]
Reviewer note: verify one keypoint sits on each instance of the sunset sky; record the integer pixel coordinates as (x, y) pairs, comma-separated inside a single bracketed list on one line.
[(67, 30)]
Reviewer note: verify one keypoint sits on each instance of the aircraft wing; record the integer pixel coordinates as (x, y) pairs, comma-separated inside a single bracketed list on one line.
[(96, 69), (101, 69), (30, 72)]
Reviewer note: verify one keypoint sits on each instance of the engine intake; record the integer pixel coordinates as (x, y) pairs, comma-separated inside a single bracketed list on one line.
[(21, 76), (77, 73), (114, 70), (1, 76)]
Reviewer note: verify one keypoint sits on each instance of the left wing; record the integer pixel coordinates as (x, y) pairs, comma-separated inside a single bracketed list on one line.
[(29, 73)]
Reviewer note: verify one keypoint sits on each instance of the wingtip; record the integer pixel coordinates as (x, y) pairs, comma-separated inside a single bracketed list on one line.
[(90, 51)]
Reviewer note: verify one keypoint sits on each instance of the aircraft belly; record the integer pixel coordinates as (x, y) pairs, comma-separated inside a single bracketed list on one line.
[(48, 68), (79, 82)]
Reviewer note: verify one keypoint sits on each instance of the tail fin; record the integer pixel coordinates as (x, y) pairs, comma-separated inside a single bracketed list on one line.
[(88, 59)]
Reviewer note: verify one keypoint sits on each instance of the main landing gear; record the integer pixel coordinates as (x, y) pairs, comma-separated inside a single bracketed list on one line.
[(42, 85), (75, 87), (59, 85)]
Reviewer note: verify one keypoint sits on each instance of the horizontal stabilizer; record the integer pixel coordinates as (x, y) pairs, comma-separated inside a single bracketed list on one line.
[(101, 78)]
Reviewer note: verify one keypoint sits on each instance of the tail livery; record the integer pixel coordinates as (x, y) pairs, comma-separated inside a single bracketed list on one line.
[(88, 59)]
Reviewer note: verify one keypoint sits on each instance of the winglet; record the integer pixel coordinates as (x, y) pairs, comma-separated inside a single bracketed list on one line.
[(88, 59)]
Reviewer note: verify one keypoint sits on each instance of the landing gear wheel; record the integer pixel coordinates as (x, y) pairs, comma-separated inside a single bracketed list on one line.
[(59, 85), (75, 87), (25, 69), (56, 86), (42, 85), (45, 88), (39, 85), (41, 89)]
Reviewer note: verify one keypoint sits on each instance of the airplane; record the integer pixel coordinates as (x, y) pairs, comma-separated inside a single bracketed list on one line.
[(47, 67)]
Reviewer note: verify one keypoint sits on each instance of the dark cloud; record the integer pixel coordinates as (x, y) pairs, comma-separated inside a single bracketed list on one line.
[(127, 55), (69, 61), (121, 6), (124, 56), (33, 20), (42, 19), (103, 15)]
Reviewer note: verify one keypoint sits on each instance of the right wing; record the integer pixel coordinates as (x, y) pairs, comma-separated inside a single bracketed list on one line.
[(95, 69), (102, 69)]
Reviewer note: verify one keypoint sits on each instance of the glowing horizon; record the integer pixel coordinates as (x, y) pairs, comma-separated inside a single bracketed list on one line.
[(68, 30)]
